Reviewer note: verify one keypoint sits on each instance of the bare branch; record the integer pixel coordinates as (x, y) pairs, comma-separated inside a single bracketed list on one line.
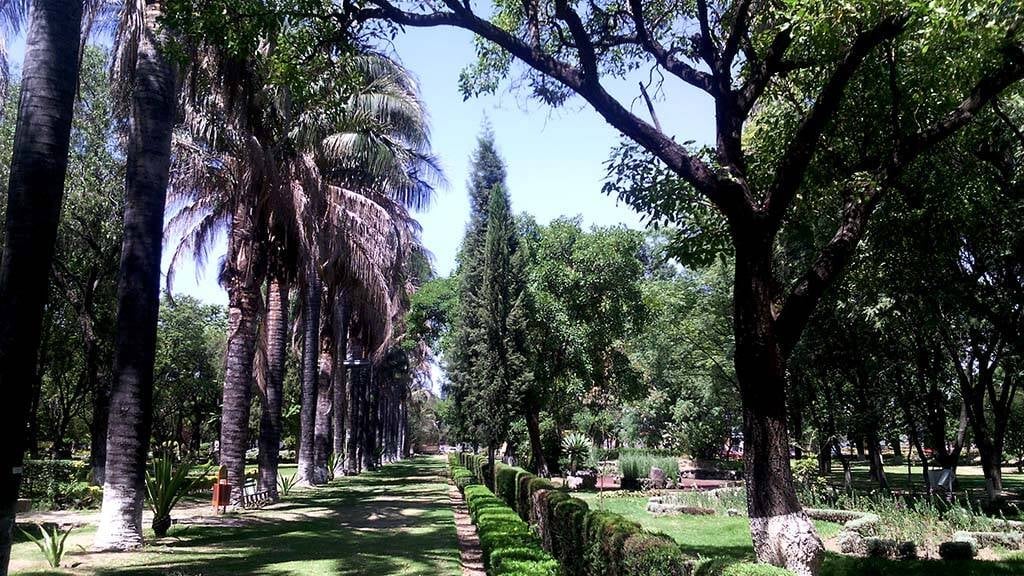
[(706, 42), (762, 73), (584, 47)]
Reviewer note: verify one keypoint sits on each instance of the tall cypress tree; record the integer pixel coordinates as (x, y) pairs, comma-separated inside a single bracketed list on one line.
[(465, 366), (498, 395)]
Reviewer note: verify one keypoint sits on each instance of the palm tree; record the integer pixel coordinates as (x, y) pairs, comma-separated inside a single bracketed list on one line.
[(149, 77), (271, 380), (35, 193)]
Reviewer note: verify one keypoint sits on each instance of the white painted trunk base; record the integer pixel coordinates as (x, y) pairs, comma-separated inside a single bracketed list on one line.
[(120, 520), (789, 541)]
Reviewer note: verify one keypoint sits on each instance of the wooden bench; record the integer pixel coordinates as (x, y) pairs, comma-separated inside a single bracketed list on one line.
[(253, 497)]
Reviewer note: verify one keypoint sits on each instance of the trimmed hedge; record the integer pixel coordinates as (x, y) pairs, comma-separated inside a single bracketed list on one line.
[(509, 548), (585, 542)]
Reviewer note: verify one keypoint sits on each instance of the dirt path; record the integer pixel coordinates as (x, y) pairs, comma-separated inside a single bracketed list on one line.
[(471, 555)]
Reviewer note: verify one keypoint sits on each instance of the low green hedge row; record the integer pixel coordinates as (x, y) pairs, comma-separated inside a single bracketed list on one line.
[(585, 542), (509, 547)]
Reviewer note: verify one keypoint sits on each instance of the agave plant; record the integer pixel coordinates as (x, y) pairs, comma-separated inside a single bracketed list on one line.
[(51, 543), (165, 486), (286, 483), (576, 447)]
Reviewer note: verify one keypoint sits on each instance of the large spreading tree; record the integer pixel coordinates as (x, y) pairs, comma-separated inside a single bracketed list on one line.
[(797, 59)]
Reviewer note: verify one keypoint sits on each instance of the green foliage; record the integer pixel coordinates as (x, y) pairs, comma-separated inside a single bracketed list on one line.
[(50, 542), (189, 368), (508, 545), (165, 486), (811, 486), (59, 484), (286, 483), (576, 448), (637, 465)]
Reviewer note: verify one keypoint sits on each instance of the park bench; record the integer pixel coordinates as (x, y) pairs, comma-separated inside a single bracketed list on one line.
[(253, 497)]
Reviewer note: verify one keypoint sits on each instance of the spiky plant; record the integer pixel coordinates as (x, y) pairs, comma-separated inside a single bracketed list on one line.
[(165, 486), (50, 543), (576, 447)]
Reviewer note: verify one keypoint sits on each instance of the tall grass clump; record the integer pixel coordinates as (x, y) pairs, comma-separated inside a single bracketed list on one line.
[(636, 465)]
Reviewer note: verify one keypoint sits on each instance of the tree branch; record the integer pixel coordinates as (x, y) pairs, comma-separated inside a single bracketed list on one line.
[(833, 258), (690, 168), (736, 33), (763, 73), (798, 156), (664, 57), (584, 46), (986, 90)]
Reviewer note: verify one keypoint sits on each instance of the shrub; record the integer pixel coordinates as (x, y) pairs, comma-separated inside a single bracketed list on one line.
[(505, 483), (584, 542), (648, 554), (576, 448), (164, 487), (58, 484), (508, 545), (462, 478), (286, 483), (958, 550)]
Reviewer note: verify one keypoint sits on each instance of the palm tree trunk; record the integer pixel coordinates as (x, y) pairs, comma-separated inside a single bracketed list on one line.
[(98, 430), (270, 415), (35, 192), (242, 281), (138, 295), (354, 412), (324, 396), (342, 311), (370, 421), (306, 473)]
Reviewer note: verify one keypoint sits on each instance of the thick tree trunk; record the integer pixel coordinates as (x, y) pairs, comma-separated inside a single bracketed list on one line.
[(138, 295), (877, 471), (536, 448), (276, 328), (342, 311), (782, 534), (35, 192), (322, 441), (306, 473)]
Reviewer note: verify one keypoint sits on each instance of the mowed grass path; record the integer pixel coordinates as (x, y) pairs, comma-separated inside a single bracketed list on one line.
[(397, 521)]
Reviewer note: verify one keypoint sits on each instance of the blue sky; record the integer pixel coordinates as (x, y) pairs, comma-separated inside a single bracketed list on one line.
[(554, 157)]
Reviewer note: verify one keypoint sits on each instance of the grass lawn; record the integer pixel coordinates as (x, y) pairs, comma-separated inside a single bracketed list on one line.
[(395, 521), (969, 478), (721, 540)]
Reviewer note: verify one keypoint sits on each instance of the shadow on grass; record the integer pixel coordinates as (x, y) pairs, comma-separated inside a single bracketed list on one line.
[(393, 521)]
